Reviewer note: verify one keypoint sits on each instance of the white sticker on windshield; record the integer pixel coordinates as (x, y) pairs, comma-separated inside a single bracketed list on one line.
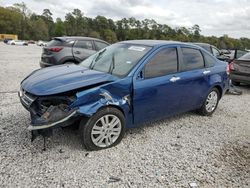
[(128, 62), (136, 48)]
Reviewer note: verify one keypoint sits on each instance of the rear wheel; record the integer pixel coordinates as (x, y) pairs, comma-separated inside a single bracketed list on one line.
[(211, 102), (104, 129)]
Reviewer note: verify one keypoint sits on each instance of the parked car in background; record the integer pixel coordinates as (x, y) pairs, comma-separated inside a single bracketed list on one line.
[(225, 51), (235, 54), (214, 51), (17, 42), (123, 86), (41, 43), (63, 50), (31, 42), (6, 40), (240, 70)]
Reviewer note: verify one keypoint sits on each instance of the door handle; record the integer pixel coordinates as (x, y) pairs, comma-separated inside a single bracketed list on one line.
[(206, 72), (174, 79), (77, 52)]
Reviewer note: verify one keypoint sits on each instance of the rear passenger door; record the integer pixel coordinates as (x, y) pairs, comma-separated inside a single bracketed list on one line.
[(83, 49), (193, 78)]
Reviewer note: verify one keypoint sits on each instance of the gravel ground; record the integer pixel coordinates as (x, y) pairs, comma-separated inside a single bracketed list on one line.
[(209, 151)]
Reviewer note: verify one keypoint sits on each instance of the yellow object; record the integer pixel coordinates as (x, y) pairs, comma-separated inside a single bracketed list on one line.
[(8, 36)]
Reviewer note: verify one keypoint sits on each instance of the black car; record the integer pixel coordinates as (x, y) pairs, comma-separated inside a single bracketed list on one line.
[(235, 54), (240, 70), (63, 50)]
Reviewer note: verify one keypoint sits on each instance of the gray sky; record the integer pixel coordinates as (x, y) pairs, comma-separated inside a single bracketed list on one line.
[(215, 17)]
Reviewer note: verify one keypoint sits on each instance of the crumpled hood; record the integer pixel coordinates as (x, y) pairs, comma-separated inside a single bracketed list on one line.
[(58, 79)]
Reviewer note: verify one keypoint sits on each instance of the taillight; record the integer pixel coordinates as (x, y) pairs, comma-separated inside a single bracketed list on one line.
[(231, 66), (56, 49)]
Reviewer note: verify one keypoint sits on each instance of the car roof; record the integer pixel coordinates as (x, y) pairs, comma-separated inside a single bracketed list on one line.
[(78, 38), (202, 44), (153, 43)]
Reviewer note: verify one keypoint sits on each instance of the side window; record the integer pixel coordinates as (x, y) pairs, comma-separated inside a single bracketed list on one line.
[(209, 61), (163, 63), (216, 52), (192, 59), (86, 44), (68, 43), (100, 45)]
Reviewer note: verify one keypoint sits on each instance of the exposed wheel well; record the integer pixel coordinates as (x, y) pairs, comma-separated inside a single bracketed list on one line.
[(69, 61), (219, 89), (113, 106)]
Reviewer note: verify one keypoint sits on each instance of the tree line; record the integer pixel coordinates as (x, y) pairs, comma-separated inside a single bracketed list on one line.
[(18, 19)]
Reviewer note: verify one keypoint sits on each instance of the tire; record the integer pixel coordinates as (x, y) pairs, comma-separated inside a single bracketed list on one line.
[(69, 62), (235, 83), (97, 135), (206, 109)]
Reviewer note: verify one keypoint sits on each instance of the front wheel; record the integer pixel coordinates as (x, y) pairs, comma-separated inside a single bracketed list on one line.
[(211, 103), (104, 129)]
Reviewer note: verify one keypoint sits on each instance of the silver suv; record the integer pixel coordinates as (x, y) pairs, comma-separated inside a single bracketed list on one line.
[(63, 50)]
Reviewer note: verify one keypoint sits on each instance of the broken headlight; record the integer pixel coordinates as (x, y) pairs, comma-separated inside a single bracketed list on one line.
[(51, 109)]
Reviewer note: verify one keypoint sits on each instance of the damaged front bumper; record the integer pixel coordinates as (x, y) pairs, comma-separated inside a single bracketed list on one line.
[(46, 117), (52, 124)]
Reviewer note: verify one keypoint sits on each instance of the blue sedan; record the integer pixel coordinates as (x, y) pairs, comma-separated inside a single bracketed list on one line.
[(123, 86)]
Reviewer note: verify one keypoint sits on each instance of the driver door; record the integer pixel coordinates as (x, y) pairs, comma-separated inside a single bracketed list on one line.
[(156, 92)]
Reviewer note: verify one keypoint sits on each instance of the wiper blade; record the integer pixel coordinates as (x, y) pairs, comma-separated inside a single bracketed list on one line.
[(112, 64), (92, 64)]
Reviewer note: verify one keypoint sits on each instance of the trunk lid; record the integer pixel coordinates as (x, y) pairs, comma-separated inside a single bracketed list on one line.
[(242, 66)]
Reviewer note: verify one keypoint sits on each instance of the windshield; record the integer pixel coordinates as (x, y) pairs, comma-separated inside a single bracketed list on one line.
[(117, 59)]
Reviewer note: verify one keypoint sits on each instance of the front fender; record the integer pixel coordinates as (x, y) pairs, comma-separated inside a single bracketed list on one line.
[(90, 101)]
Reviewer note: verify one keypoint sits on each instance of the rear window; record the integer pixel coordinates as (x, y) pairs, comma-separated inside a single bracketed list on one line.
[(57, 42), (216, 52), (245, 57), (209, 61), (241, 53), (100, 45), (192, 59)]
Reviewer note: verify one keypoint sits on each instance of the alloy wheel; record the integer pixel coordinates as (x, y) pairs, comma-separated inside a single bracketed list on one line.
[(106, 130), (211, 101)]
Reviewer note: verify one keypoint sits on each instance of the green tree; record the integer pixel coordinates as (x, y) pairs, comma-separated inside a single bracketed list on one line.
[(196, 32), (47, 17), (59, 28), (18, 19), (37, 29), (10, 21), (24, 11), (110, 36), (94, 34)]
